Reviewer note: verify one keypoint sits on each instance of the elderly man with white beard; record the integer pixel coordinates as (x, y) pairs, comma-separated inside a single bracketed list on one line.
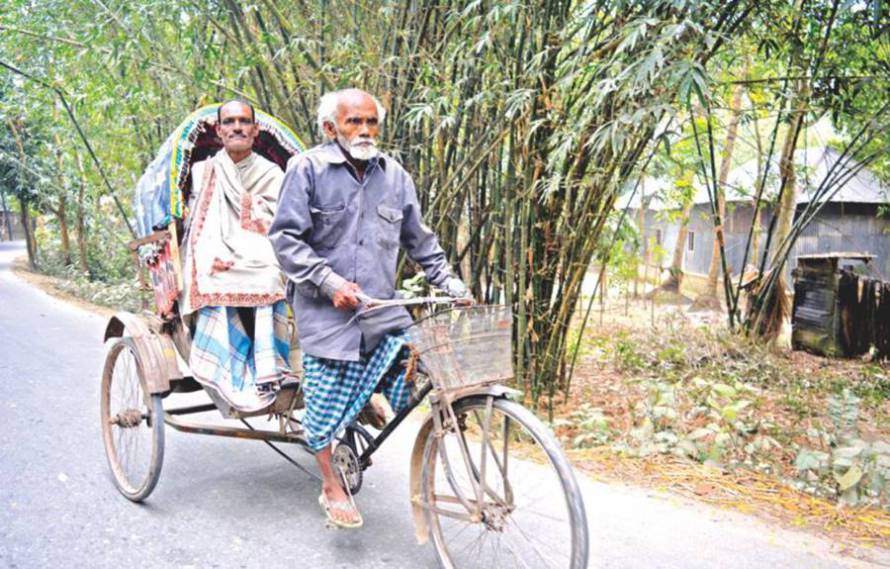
[(344, 212)]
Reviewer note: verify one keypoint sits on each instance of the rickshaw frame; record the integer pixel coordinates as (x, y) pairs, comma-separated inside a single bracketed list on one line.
[(159, 344)]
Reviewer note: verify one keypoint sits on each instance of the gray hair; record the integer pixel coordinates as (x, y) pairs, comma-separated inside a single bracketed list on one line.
[(327, 108)]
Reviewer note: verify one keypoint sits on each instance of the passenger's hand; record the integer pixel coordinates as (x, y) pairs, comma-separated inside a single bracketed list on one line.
[(346, 297)]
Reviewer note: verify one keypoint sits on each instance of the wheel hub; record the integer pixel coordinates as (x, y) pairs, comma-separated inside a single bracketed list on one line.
[(128, 419), (495, 517)]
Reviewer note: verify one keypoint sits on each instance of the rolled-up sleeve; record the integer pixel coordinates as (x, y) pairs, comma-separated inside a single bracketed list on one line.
[(419, 241), (290, 229)]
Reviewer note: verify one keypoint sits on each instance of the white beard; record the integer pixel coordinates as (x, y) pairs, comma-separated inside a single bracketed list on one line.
[(360, 148)]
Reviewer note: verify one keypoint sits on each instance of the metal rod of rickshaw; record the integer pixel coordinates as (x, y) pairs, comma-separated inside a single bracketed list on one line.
[(234, 432), (203, 408)]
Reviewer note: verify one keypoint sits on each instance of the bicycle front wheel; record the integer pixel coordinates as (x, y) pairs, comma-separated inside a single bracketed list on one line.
[(499, 492)]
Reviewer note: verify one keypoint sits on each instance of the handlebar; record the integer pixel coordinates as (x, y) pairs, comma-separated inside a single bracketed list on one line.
[(369, 303)]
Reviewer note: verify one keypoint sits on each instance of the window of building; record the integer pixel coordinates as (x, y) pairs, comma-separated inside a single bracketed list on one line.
[(658, 236), (691, 241)]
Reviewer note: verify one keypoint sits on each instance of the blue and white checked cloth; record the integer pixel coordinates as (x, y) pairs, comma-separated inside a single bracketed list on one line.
[(224, 358), (335, 391)]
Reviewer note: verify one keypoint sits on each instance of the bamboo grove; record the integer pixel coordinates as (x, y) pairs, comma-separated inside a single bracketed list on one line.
[(521, 121)]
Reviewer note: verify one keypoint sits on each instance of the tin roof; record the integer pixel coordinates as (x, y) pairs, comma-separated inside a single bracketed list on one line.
[(813, 166)]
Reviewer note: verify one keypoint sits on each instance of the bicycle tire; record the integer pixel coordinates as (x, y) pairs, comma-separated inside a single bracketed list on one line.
[(120, 427), (541, 439)]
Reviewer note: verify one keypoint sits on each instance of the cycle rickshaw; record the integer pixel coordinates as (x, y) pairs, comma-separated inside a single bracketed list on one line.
[(490, 484)]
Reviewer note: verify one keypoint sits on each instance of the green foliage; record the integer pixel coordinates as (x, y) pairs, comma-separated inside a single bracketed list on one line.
[(627, 355), (718, 398), (521, 121), (590, 424), (854, 470)]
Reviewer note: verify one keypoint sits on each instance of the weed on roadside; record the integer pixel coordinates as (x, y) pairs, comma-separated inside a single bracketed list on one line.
[(711, 396)]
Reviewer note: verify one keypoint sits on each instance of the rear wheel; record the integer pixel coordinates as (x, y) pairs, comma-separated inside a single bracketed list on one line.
[(132, 423), (499, 492)]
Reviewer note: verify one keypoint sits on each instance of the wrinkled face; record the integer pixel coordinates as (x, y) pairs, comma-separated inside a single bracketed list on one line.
[(237, 128), (357, 126)]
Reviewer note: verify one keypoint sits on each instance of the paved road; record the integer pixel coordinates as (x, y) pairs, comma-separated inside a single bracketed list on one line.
[(229, 503)]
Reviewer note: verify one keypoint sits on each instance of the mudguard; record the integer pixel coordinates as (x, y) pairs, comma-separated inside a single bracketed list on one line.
[(421, 529), (156, 351)]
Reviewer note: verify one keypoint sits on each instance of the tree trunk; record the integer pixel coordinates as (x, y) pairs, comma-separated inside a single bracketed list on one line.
[(80, 222), (675, 279), (725, 165), (30, 242), (7, 222), (641, 224), (788, 175), (772, 305), (62, 211), (62, 215), (755, 220)]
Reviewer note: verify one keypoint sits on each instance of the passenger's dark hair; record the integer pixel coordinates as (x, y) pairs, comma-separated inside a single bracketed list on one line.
[(243, 102)]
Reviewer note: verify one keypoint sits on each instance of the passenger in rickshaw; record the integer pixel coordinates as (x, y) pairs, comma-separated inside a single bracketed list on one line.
[(232, 282), (345, 209)]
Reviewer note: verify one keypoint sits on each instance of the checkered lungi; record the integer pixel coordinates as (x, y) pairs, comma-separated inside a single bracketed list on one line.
[(224, 358), (336, 391)]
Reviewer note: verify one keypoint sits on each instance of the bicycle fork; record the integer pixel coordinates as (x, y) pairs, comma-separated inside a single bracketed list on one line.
[(445, 422)]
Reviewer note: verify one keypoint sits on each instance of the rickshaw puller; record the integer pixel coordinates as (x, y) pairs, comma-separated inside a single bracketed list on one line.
[(232, 282), (345, 210)]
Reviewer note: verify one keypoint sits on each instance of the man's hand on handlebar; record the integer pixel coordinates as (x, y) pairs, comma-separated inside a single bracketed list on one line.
[(347, 296), (455, 288), (350, 297)]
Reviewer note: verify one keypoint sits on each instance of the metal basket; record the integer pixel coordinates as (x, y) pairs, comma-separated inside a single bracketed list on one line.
[(465, 345)]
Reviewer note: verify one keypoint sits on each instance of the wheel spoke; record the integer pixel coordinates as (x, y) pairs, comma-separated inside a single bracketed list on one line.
[(508, 492), (483, 450), (470, 544), (517, 557), (545, 516), (531, 540)]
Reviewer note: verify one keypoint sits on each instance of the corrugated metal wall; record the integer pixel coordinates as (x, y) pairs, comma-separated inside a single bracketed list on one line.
[(839, 228)]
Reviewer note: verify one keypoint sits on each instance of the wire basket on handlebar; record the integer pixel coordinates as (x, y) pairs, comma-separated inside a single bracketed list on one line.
[(465, 345)]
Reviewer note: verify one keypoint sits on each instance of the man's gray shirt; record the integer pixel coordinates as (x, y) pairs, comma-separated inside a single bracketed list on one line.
[(330, 228)]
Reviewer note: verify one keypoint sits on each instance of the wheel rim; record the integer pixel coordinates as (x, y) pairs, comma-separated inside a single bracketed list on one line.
[(525, 520), (129, 431)]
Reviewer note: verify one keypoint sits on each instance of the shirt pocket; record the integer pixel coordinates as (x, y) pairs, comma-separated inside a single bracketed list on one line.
[(389, 226), (327, 225)]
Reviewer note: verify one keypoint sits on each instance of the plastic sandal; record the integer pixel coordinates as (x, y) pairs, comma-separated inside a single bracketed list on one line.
[(342, 507)]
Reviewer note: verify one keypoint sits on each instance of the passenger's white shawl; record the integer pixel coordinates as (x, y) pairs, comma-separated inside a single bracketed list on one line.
[(229, 261)]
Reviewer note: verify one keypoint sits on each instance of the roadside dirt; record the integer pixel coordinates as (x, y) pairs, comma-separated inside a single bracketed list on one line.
[(644, 364), (50, 285)]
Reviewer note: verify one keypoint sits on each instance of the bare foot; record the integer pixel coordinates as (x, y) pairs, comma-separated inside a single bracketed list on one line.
[(373, 414)]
